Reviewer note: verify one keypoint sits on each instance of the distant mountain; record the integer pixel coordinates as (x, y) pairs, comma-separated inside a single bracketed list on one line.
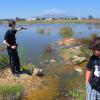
[(54, 16)]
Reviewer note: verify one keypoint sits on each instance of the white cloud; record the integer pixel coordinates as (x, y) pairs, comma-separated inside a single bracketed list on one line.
[(53, 11)]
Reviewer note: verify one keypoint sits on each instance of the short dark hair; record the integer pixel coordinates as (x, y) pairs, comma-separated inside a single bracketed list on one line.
[(11, 22), (95, 43)]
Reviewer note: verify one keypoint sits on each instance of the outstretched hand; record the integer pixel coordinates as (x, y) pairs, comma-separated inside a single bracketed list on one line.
[(23, 28)]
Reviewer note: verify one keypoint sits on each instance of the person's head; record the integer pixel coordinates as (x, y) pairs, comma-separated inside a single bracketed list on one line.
[(11, 23), (95, 46)]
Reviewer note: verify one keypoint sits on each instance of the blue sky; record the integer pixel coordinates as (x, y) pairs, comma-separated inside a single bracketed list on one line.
[(31, 8)]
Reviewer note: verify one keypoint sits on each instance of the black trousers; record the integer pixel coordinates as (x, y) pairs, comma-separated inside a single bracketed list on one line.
[(14, 60)]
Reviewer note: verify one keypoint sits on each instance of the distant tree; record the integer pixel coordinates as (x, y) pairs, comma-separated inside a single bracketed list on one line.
[(76, 18), (19, 19), (0, 21), (90, 17), (43, 18), (38, 19), (83, 18)]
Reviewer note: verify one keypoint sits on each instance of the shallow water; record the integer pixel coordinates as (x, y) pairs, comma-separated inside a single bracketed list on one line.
[(33, 41), (58, 80), (59, 77)]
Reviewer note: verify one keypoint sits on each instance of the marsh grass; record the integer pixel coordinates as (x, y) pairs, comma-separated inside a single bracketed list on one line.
[(85, 52), (66, 32), (4, 61), (11, 92), (86, 41), (28, 68), (41, 30)]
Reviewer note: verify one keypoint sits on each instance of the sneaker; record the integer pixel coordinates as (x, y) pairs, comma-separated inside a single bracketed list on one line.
[(16, 75), (20, 72)]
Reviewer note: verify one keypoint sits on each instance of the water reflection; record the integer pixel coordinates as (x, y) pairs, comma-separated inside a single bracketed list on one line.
[(37, 36)]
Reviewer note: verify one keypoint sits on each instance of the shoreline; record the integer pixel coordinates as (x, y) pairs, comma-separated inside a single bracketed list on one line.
[(33, 85), (93, 21)]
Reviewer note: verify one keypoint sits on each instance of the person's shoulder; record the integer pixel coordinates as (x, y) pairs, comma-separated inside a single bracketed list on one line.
[(8, 31), (11, 31), (14, 31), (7, 34), (93, 57)]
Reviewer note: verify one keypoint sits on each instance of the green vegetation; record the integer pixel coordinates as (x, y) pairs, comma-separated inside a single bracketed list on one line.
[(25, 68), (85, 52), (90, 17), (64, 21), (0, 21), (28, 68), (21, 52), (74, 94), (66, 32), (4, 61), (41, 30), (11, 92), (86, 41), (78, 94)]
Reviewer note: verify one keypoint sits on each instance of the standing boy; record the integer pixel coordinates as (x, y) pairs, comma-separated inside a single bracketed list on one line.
[(10, 42), (93, 71)]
